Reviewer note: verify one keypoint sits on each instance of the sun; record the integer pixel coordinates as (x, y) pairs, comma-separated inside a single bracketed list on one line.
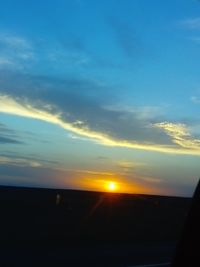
[(112, 186)]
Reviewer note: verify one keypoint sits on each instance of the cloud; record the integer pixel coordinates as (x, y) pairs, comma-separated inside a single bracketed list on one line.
[(19, 162), (16, 174), (129, 166), (15, 42), (95, 173), (180, 135), (126, 164), (65, 58), (4, 62), (19, 53), (195, 99), (191, 23), (67, 52), (195, 39), (143, 112), (6, 140), (15, 52), (17, 158), (151, 179), (76, 106), (8, 136)]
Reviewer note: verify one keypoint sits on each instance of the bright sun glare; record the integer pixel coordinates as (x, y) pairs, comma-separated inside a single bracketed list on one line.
[(112, 186)]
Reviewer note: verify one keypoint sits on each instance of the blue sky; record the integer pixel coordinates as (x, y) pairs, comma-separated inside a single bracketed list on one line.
[(98, 91)]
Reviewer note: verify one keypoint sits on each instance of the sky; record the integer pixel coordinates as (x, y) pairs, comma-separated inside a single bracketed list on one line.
[(93, 92)]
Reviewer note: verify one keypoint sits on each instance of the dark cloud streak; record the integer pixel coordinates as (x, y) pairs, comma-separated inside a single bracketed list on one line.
[(8, 136)]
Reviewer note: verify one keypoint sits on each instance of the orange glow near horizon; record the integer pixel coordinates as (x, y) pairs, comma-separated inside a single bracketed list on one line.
[(113, 183), (116, 185)]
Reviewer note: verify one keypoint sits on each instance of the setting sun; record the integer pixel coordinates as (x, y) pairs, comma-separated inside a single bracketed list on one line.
[(112, 186)]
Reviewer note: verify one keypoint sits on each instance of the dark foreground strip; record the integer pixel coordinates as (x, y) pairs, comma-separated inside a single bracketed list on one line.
[(154, 265)]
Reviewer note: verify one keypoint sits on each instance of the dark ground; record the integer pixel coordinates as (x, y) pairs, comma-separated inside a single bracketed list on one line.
[(87, 228)]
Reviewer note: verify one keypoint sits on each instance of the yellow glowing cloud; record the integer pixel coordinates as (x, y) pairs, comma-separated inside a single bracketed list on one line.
[(129, 164), (185, 143), (180, 135)]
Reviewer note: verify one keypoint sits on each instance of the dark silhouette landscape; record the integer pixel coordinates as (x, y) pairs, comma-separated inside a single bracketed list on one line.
[(53, 227)]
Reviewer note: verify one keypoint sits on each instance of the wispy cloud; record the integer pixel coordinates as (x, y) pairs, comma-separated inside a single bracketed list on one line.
[(95, 173), (195, 99), (6, 62), (14, 41), (15, 52), (8, 136), (180, 135), (126, 164), (68, 52), (65, 58), (151, 179), (143, 112), (195, 39), (19, 162), (64, 54), (7, 140), (129, 166), (191, 23)]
